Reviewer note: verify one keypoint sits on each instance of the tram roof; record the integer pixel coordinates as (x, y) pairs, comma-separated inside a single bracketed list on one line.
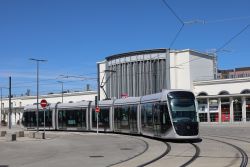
[(74, 105), (128, 100), (34, 107), (106, 102), (154, 97), (162, 96)]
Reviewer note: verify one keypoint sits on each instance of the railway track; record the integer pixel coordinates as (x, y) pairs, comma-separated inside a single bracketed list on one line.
[(166, 154), (146, 148), (244, 155), (182, 155), (231, 137)]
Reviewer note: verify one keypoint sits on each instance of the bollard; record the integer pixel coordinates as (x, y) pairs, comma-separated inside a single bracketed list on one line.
[(20, 134), (10, 137), (3, 133), (32, 134), (40, 135)]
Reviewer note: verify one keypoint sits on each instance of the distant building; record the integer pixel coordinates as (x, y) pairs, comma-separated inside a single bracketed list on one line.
[(234, 73)]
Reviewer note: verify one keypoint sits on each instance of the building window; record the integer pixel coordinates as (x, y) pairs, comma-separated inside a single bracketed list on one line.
[(224, 93), (245, 91), (202, 94), (248, 109), (203, 117), (237, 109), (225, 109)]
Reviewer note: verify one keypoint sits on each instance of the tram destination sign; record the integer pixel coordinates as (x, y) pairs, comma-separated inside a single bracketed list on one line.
[(43, 103)]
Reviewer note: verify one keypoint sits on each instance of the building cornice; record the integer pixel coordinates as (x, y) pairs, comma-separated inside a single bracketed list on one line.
[(221, 96), (222, 81)]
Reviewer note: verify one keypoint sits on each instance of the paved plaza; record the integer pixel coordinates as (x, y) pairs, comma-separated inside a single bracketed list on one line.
[(75, 149)]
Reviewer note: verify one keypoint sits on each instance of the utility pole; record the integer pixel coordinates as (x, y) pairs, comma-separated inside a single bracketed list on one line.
[(62, 88), (10, 112), (37, 90)]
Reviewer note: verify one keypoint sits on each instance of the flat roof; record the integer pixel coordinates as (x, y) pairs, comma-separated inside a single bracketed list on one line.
[(116, 56), (153, 51)]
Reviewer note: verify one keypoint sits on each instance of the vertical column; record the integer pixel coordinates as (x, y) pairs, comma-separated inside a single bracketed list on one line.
[(10, 106), (1, 114), (231, 109), (219, 109), (1, 118), (208, 111), (98, 81), (197, 109), (244, 111), (167, 70)]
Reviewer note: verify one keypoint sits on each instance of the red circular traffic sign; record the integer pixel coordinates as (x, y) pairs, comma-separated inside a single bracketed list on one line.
[(43, 103), (97, 109)]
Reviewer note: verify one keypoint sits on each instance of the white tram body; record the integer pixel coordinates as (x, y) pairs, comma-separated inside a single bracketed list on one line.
[(170, 114)]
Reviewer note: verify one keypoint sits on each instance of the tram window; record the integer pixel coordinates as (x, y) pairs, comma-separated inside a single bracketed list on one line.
[(103, 118), (183, 110), (48, 118), (72, 118), (125, 118)]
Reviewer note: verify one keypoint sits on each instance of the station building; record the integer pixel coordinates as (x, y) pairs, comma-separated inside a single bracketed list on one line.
[(149, 71)]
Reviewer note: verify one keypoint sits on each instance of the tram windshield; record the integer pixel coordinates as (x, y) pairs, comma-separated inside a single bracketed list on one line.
[(183, 108)]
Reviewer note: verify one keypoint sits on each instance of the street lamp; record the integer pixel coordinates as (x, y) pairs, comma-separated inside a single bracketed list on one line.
[(37, 90), (1, 106), (2, 114), (62, 88)]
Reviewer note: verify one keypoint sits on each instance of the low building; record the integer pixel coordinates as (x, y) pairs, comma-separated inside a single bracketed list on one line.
[(223, 100)]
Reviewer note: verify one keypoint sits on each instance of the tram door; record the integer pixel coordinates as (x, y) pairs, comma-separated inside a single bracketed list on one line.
[(161, 119), (156, 119), (132, 110)]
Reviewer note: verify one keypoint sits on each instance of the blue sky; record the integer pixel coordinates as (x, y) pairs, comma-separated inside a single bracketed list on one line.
[(74, 34)]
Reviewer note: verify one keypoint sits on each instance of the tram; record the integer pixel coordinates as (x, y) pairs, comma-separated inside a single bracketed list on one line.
[(170, 114)]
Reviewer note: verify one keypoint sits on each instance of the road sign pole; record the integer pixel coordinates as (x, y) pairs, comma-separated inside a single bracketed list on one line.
[(44, 121), (97, 122), (44, 104), (97, 110)]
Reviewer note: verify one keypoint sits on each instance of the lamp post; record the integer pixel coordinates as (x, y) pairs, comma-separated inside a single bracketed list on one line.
[(1, 106), (62, 88), (2, 116), (37, 90)]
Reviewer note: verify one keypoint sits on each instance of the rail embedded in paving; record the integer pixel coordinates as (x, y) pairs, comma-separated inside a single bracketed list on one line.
[(159, 157), (244, 155), (146, 148), (196, 155)]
